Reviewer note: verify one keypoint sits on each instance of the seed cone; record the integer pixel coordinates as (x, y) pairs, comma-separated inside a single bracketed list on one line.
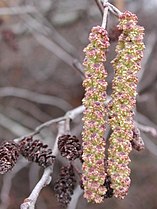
[(69, 147), (36, 151), (64, 186), (9, 153)]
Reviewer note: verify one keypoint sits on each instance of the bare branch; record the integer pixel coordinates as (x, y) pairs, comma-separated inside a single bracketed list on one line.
[(51, 45), (13, 126), (43, 23), (7, 183), (100, 6), (150, 44), (114, 10), (70, 114), (152, 147), (35, 97), (140, 118), (29, 202), (75, 198), (104, 21), (17, 10), (147, 129)]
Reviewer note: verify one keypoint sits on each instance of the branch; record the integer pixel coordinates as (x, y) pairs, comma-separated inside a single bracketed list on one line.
[(150, 45), (70, 114), (50, 45), (17, 10), (13, 126), (152, 147), (147, 129), (114, 10), (105, 13), (7, 183), (100, 6), (75, 198), (35, 97), (29, 202)]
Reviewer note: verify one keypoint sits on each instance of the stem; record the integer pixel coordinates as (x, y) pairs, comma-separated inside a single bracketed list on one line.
[(104, 21)]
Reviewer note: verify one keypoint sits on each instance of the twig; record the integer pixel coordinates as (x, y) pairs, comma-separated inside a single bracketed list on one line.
[(7, 183), (13, 126), (21, 117), (35, 97), (147, 129), (140, 118), (48, 123), (17, 10), (29, 202), (51, 45), (75, 198), (149, 144), (114, 10), (32, 109), (78, 66), (150, 44), (105, 13), (58, 51), (70, 114), (42, 22), (100, 6)]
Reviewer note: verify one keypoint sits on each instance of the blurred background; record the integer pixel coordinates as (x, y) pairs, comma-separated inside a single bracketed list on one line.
[(41, 45)]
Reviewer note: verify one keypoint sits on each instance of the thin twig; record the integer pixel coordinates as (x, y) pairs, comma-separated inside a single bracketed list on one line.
[(29, 202), (70, 114), (13, 126), (114, 10), (51, 45), (104, 21), (45, 27), (150, 45), (147, 129), (78, 66), (152, 147), (7, 183), (35, 97), (17, 10), (75, 198), (100, 6)]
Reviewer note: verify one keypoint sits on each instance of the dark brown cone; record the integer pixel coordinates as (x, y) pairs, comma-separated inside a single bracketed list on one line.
[(9, 153), (64, 186), (36, 151), (137, 142), (69, 147)]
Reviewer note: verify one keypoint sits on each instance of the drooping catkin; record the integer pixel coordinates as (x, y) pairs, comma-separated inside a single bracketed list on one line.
[(126, 65), (94, 124)]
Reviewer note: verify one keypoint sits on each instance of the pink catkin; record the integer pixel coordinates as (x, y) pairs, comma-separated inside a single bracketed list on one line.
[(95, 85), (126, 65)]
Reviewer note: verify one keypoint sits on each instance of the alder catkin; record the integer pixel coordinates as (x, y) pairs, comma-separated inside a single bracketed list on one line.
[(126, 65), (94, 122)]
